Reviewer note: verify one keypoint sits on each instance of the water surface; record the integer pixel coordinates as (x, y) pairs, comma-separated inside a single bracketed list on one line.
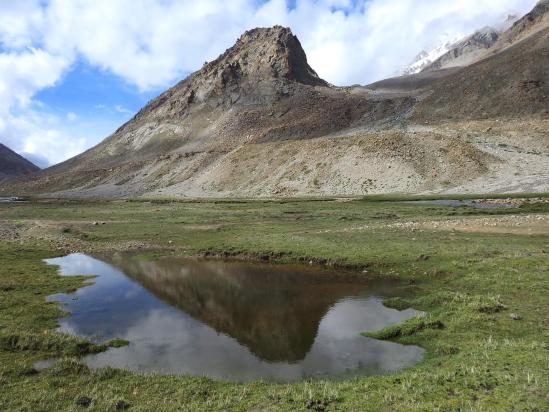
[(11, 199), (232, 320), (476, 204)]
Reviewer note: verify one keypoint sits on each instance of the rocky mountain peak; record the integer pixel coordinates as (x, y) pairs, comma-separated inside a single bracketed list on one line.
[(264, 65), (275, 52), (485, 37)]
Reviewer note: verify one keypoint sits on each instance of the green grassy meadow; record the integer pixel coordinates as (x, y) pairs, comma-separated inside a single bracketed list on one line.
[(471, 283)]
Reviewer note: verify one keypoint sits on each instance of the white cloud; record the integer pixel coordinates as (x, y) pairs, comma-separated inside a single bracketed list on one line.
[(20, 22), (23, 127), (121, 109), (151, 43), (23, 73), (40, 137)]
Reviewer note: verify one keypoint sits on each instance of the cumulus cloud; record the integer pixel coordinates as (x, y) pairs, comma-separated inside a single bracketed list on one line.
[(40, 137), (152, 43), (23, 73)]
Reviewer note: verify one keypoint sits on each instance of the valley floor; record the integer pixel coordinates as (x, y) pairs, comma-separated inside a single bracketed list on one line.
[(481, 274)]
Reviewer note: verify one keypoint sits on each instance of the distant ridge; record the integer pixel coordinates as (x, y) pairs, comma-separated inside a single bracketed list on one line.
[(466, 51), (13, 165)]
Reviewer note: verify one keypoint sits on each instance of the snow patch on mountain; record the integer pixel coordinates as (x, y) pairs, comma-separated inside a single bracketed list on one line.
[(448, 42), (425, 58)]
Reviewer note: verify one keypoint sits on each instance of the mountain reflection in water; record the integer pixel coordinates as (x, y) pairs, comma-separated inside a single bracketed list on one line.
[(233, 320)]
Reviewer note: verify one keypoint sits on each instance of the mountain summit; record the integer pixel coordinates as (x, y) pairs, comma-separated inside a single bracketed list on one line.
[(263, 66), (275, 52)]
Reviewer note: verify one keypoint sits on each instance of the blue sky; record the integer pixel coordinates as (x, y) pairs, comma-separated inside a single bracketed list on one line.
[(92, 102), (89, 103), (86, 89), (72, 71)]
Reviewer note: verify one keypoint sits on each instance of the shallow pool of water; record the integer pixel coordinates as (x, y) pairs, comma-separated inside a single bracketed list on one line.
[(11, 200), (232, 320), (467, 202)]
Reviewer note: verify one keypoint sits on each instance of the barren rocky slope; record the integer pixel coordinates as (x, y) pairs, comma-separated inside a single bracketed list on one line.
[(536, 20), (258, 121), (12, 164)]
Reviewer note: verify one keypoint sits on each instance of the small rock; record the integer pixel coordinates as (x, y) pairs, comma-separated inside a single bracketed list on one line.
[(170, 242), (121, 405), (515, 316), (84, 401), (95, 223), (316, 405), (28, 372)]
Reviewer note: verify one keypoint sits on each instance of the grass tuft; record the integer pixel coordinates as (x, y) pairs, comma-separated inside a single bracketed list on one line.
[(69, 367), (407, 328), (57, 343), (117, 343), (397, 303)]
